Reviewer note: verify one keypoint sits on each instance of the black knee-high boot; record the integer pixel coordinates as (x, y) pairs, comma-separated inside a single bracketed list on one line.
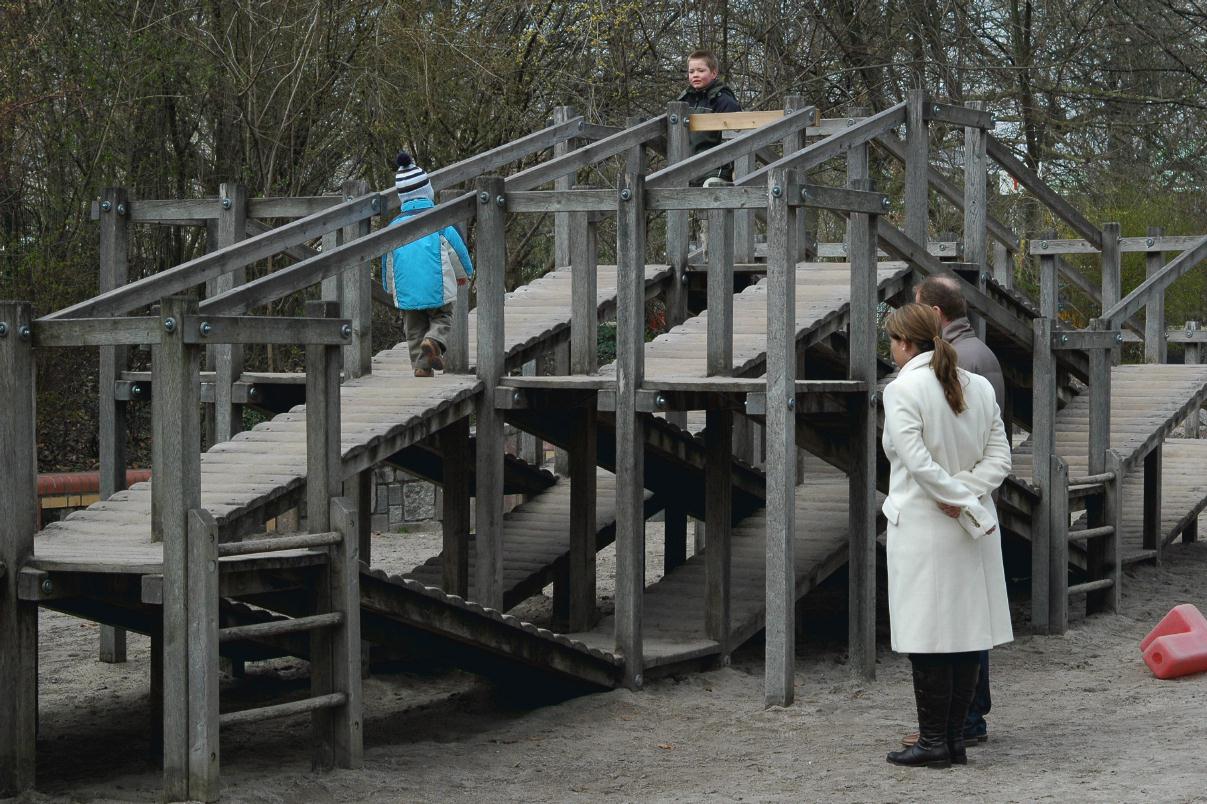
[(964, 676), (932, 693)]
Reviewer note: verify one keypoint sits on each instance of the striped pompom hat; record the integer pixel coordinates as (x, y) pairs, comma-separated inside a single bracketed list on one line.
[(411, 181)]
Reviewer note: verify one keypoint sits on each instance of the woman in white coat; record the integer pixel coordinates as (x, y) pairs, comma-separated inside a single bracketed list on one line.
[(947, 447)]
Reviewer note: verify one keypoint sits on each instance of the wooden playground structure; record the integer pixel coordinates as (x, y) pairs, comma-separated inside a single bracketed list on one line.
[(756, 414)]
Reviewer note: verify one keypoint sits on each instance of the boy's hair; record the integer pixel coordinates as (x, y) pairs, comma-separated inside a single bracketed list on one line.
[(943, 291), (706, 56)]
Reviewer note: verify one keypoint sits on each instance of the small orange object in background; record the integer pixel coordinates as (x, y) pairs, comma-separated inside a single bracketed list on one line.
[(1178, 645)]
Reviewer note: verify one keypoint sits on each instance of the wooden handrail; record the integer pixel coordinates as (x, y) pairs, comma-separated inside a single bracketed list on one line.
[(1130, 304), (835, 145), (1050, 198)]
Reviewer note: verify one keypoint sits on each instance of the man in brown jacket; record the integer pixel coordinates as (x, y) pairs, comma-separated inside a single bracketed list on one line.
[(944, 295)]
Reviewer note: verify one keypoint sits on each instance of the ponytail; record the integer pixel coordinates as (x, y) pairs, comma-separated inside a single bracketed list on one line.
[(945, 364)]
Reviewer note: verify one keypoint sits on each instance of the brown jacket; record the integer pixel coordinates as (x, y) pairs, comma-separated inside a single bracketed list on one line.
[(976, 357)]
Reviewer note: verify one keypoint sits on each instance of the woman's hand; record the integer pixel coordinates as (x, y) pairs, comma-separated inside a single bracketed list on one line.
[(952, 511)]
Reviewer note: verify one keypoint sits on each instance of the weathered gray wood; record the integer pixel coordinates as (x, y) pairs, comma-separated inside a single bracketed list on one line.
[(1046, 195), (619, 143), (1058, 529), (314, 704), (1099, 442), (562, 202), (492, 268), (583, 526), (781, 443), (202, 681), (561, 220), (971, 115), (356, 294), (456, 358), (861, 232), (1049, 286), (744, 220), (793, 142), (277, 543), (718, 435), (561, 368), (454, 522), (1192, 356), (1153, 538), (678, 229), (18, 517), (111, 412), (1112, 274), (228, 358), (176, 425), (531, 446), (1113, 514), (674, 531), (584, 295), (720, 293), (917, 164), (345, 639), (1044, 587), (630, 428), (95, 331), (1154, 311), (976, 199), (1127, 244), (265, 329)]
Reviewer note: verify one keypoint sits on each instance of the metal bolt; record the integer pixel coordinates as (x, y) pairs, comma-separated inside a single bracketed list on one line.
[(3, 329), (253, 393), (1043, 244), (516, 396), (136, 390), (942, 247), (1064, 339), (47, 587), (500, 201), (226, 203), (934, 109), (484, 197), (581, 123), (777, 191), (205, 329), (1118, 337), (211, 566), (169, 324), (886, 202), (685, 121), (791, 403), (121, 209), (626, 194), (23, 332), (660, 401), (345, 331), (637, 679), (850, 122), (804, 194), (873, 399), (674, 120), (1149, 242), (984, 276), (106, 206), (375, 205)]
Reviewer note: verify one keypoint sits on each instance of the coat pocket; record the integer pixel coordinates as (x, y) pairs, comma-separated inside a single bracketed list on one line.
[(890, 511)]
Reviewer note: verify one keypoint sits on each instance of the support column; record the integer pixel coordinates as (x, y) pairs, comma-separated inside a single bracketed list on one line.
[(18, 521), (456, 358), (454, 522), (1043, 438), (781, 443), (228, 358), (976, 197), (917, 165), (678, 223), (1100, 442), (491, 269), (562, 238), (630, 426), (1154, 311), (1112, 273), (1154, 536), (806, 218), (356, 296), (743, 219), (202, 682), (111, 413), (582, 453), (718, 433), (176, 425)]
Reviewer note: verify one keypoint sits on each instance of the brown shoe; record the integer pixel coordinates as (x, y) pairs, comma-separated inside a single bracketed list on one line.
[(424, 372), (432, 353)]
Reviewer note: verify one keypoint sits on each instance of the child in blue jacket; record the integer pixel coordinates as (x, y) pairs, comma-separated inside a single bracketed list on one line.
[(423, 275)]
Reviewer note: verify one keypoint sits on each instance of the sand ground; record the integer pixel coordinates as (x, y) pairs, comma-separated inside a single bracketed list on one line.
[(1077, 717)]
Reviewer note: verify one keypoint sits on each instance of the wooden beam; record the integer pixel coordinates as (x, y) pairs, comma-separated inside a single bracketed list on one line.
[(228, 357), (1057, 491), (976, 197), (356, 295), (734, 121), (1156, 283), (1154, 311), (344, 578), (581, 575), (455, 524), (584, 289), (972, 115), (561, 221), (678, 231), (1044, 587), (18, 517), (917, 167), (202, 680)]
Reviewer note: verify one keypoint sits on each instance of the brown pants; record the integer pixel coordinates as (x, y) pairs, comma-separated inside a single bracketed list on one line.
[(435, 323)]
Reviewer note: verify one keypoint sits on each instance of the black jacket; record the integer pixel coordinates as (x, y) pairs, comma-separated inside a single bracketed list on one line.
[(716, 97)]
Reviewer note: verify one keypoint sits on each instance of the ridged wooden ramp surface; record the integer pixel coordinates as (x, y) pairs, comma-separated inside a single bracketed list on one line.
[(381, 413)]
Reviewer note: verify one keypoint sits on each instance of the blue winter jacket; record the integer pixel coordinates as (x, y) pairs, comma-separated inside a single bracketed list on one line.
[(423, 274)]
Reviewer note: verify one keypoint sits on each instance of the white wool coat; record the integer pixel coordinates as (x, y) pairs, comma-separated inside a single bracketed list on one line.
[(946, 582)]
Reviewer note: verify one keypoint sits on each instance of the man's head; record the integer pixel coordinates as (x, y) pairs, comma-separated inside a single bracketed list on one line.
[(942, 293), (701, 68)]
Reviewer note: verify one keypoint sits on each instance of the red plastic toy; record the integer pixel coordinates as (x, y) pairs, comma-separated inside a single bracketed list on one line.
[(1178, 645)]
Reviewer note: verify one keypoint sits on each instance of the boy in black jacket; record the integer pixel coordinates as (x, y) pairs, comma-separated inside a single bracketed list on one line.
[(706, 94)]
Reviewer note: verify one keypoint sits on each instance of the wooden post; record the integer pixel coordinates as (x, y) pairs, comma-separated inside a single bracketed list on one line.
[(202, 681), (861, 538), (1193, 357), (584, 295), (976, 197), (674, 524), (531, 446), (718, 433), (344, 577), (743, 219), (1049, 282), (228, 358), (18, 521), (1044, 587), (630, 427), (356, 295), (456, 357), (678, 225), (1114, 546), (806, 218), (583, 526), (1058, 533), (562, 238), (324, 480), (111, 413), (1154, 311), (561, 367), (1112, 273), (176, 424), (1154, 537), (1100, 442), (781, 442), (454, 449), (492, 267), (917, 165)]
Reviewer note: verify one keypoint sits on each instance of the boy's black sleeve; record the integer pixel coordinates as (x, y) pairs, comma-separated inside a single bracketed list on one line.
[(725, 102)]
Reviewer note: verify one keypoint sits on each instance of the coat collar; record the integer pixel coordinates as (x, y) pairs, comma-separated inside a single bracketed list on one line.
[(917, 361), (958, 330)]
